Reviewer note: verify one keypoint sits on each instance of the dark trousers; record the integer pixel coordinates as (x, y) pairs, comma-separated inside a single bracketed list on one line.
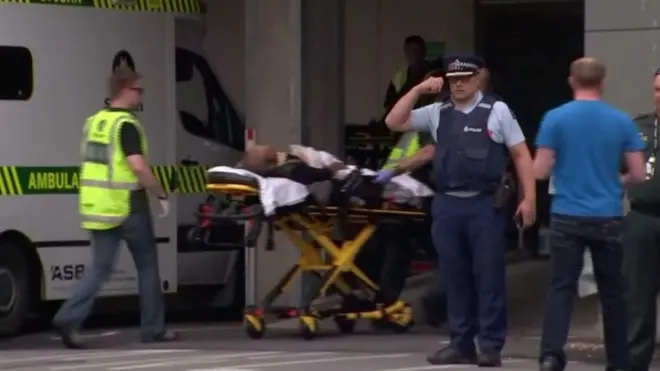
[(137, 230), (641, 267), (469, 235), (570, 236)]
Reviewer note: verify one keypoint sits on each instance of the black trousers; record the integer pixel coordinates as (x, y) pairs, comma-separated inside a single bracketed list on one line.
[(570, 236), (641, 267)]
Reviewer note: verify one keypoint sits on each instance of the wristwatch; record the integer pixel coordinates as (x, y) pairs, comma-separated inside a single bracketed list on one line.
[(163, 197)]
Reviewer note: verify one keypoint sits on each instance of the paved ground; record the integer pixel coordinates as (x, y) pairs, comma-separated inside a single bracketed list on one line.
[(210, 347)]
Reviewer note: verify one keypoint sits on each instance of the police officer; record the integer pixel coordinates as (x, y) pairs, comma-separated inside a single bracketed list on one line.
[(472, 134), (114, 180), (641, 246)]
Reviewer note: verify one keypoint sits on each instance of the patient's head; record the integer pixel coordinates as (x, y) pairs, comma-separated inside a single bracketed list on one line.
[(259, 158)]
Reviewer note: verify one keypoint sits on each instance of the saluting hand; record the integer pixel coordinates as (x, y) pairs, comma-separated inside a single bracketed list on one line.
[(526, 212), (432, 85)]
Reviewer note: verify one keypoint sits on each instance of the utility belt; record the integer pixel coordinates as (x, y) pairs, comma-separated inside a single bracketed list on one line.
[(502, 191), (649, 209)]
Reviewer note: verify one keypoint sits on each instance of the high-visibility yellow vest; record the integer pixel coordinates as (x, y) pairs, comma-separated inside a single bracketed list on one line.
[(399, 79), (407, 146), (106, 181)]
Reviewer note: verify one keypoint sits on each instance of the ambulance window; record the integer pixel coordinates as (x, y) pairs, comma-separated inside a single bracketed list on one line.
[(16, 73)]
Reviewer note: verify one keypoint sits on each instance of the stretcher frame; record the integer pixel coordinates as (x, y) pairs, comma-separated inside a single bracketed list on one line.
[(318, 223)]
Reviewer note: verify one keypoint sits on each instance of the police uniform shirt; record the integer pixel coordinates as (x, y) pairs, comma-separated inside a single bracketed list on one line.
[(131, 144), (502, 126)]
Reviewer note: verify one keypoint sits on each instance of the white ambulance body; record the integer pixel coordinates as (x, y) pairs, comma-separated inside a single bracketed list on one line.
[(55, 64)]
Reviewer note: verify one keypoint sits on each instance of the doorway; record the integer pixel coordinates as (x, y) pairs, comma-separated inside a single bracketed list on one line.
[(528, 45)]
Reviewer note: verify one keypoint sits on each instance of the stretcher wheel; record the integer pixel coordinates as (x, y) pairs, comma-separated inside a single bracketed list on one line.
[(309, 327), (255, 327), (345, 325), (401, 328)]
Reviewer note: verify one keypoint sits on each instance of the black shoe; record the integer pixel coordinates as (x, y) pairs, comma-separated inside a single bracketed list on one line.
[(163, 337), (450, 356), (70, 337), (551, 364), (489, 359)]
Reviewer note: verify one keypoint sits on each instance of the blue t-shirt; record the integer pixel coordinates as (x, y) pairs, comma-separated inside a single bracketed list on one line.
[(589, 139)]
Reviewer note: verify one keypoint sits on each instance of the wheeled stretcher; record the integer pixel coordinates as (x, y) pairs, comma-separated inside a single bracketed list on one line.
[(284, 205)]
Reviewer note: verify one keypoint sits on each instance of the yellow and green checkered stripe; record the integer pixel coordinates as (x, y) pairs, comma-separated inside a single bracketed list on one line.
[(34, 180), (173, 6)]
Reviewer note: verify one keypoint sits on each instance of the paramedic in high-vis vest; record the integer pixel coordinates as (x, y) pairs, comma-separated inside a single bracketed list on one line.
[(474, 136), (414, 49), (114, 180)]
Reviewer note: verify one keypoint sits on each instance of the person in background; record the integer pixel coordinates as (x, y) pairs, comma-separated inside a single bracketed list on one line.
[(474, 136), (414, 49), (582, 144), (641, 246), (114, 180)]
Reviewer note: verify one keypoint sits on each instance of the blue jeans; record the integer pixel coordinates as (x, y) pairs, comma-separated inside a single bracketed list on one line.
[(137, 230), (570, 236)]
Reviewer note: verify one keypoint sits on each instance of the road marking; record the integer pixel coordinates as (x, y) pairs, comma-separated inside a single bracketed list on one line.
[(190, 360), (148, 363), (127, 354), (304, 354), (223, 369), (433, 367), (83, 355), (318, 360), (89, 336)]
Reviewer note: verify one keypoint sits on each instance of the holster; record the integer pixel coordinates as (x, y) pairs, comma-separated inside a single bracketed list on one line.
[(504, 191)]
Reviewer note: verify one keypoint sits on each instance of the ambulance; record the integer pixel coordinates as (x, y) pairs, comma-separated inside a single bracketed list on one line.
[(55, 59)]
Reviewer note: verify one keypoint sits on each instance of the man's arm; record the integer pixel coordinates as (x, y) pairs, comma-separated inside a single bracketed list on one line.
[(633, 148), (402, 117), (514, 139), (419, 159), (546, 144), (132, 147), (543, 163)]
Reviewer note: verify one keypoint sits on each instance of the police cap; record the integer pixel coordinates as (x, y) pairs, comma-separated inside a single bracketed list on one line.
[(463, 65)]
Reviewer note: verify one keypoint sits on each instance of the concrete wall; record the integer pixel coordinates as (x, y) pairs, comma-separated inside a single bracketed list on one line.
[(626, 36), (373, 36)]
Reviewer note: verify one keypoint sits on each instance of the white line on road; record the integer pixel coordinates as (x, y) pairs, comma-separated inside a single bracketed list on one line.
[(148, 363), (301, 354), (434, 367), (83, 355), (309, 361), (190, 360)]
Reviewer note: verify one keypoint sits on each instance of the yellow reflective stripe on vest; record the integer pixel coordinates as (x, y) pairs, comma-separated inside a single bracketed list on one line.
[(407, 146), (102, 219), (131, 186)]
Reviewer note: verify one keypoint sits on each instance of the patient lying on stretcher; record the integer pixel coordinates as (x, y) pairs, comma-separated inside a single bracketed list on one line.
[(268, 162)]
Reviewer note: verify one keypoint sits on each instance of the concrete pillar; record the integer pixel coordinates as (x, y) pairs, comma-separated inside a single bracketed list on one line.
[(273, 101), (625, 35), (294, 93), (323, 75)]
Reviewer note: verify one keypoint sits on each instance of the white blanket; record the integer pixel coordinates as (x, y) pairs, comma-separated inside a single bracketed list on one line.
[(277, 192), (402, 183), (273, 192)]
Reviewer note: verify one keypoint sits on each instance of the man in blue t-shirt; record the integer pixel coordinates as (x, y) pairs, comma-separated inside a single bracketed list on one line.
[(582, 144)]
